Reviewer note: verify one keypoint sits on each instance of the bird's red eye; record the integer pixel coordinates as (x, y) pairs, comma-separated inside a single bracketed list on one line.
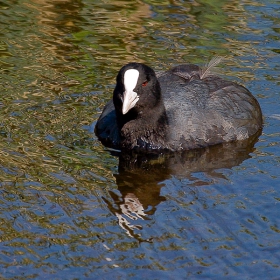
[(145, 83)]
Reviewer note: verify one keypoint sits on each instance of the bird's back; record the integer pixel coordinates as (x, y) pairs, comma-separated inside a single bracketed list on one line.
[(207, 111)]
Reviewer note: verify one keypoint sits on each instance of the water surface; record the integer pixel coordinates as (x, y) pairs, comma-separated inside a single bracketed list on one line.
[(70, 209)]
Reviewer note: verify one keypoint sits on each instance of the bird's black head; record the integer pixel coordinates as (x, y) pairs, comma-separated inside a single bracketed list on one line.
[(137, 90)]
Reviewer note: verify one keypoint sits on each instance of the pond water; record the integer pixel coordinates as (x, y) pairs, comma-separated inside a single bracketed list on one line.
[(69, 208)]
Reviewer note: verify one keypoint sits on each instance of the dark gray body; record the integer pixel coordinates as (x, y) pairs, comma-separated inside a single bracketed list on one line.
[(201, 112)]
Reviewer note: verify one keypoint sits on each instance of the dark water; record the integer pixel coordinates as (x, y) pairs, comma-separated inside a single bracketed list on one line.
[(69, 209)]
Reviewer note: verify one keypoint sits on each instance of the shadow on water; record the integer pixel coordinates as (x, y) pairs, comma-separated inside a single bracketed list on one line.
[(140, 176)]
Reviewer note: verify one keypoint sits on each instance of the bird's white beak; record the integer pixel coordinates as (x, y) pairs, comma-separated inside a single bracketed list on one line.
[(130, 97)]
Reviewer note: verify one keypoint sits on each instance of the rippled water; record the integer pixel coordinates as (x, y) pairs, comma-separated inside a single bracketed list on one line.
[(69, 209)]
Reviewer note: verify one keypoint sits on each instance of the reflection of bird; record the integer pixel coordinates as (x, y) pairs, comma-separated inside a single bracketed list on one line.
[(129, 210), (183, 108), (140, 178), (148, 169), (132, 209)]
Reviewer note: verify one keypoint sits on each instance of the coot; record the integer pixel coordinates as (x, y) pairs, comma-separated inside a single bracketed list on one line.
[(183, 108)]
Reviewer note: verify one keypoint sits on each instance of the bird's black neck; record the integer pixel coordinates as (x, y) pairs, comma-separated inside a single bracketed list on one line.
[(145, 132)]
